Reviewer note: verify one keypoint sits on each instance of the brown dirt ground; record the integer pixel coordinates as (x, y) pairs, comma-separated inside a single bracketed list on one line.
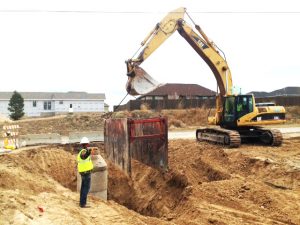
[(212, 185), (205, 184), (37, 178), (62, 124)]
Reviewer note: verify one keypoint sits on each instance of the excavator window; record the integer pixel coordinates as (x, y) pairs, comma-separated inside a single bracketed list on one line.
[(229, 115), (236, 107), (244, 105)]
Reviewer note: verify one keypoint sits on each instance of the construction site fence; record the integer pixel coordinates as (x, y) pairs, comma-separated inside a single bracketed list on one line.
[(198, 103)]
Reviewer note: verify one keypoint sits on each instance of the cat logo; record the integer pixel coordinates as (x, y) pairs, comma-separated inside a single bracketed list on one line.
[(199, 42)]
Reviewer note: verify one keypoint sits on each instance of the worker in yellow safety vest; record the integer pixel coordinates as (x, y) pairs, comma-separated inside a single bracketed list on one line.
[(85, 167)]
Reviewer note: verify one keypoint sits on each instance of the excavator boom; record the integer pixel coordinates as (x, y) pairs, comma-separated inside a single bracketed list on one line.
[(141, 82)]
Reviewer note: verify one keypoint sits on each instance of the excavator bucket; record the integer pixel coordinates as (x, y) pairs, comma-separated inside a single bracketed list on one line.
[(140, 82)]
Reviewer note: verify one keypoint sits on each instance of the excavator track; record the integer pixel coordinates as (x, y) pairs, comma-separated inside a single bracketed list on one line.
[(271, 137), (233, 138), (222, 136)]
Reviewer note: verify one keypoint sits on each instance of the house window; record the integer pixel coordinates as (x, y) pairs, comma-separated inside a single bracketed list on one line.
[(159, 98), (71, 106), (47, 105), (34, 104), (61, 102)]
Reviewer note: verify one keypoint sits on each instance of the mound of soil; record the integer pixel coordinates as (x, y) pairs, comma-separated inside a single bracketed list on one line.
[(205, 184), (208, 184), (57, 163), (71, 123), (32, 192)]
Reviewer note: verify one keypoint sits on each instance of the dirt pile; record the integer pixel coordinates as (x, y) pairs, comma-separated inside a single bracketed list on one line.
[(62, 124), (32, 192), (177, 118), (205, 184), (210, 185), (57, 163)]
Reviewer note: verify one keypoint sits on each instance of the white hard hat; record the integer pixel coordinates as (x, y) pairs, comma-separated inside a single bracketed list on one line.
[(84, 140)]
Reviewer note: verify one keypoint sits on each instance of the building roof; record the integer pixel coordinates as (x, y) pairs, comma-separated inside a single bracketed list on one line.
[(71, 95), (287, 91), (181, 90)]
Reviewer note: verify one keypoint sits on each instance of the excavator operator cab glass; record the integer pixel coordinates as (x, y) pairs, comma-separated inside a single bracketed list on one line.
[(235, 107), (229, 109), (244, 105)]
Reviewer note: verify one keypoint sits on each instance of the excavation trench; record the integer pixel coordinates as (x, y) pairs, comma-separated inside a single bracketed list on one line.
[(148, 192), (205, 184), (155, 193)]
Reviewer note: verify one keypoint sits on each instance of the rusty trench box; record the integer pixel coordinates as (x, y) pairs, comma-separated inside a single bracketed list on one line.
[(145, 140)]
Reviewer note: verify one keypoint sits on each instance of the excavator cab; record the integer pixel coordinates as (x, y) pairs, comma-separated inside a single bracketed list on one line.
[(236, 107)]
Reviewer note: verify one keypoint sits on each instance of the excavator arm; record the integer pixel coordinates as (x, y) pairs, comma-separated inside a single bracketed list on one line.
[(174, 21), (139, 82), (161, 32)]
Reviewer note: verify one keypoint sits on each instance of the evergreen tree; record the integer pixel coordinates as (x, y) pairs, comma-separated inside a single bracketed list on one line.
[(16, 106)]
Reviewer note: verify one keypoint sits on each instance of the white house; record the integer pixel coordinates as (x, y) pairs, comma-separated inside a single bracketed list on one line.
[(51, 103)]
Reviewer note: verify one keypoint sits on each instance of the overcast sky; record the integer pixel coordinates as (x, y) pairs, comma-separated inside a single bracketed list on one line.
[(61, 46)]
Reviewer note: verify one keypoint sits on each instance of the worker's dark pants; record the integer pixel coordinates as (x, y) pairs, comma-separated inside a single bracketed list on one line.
[(85, 187)]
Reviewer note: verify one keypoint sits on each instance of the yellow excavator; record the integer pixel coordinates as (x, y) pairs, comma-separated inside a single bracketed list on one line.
[(238, 117)]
